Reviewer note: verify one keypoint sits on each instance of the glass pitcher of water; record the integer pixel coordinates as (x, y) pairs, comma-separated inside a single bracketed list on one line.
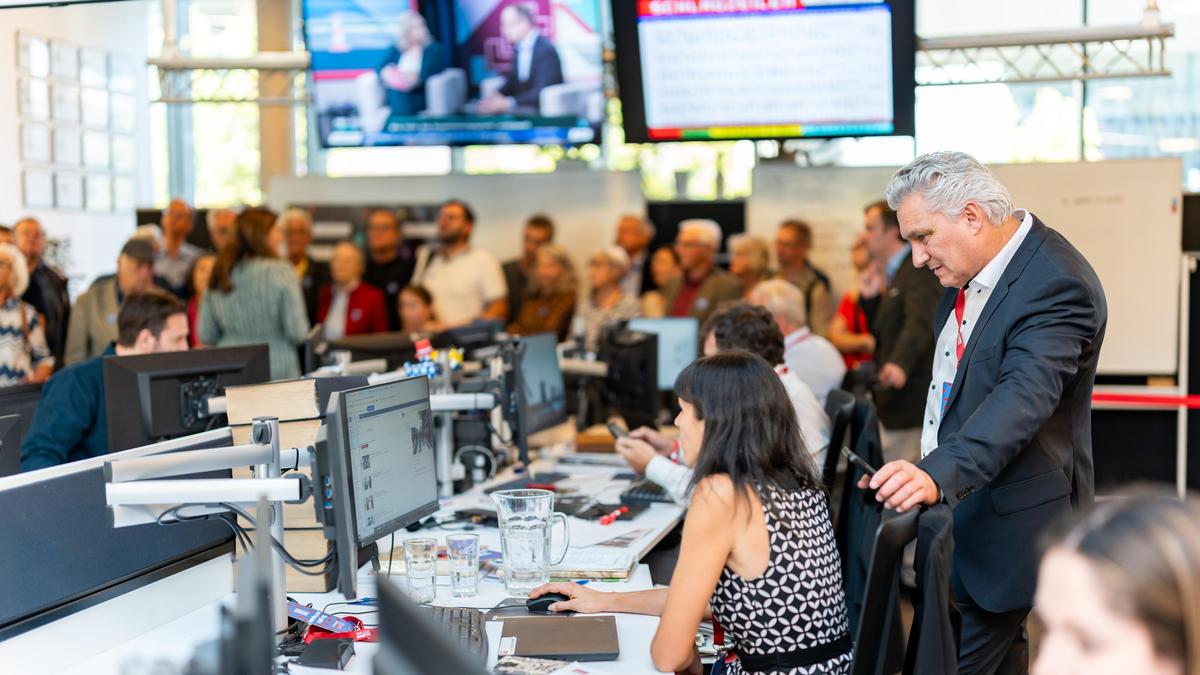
[(526, 518)]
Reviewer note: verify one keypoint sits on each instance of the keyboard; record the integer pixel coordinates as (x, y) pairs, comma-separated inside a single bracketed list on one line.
[(645, 492), (463, 625)]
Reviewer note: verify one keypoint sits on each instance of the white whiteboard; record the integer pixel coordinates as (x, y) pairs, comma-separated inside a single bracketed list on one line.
[(1124, 216), (584, 205)]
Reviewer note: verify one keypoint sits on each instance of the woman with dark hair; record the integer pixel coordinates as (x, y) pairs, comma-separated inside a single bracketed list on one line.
[(253, 297), (1119, 590), (416, 310), (757, 542)]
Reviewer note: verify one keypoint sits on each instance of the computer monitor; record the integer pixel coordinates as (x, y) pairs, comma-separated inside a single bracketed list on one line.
[(631, 385), (678, 341), (375, 468), (153, 397), (542, 392), (411, 643), (10, 445)]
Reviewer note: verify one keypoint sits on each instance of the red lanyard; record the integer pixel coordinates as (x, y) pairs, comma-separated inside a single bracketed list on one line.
[(960, 306)]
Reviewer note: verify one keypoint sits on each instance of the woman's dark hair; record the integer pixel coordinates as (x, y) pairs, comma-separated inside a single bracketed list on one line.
[(740, 325), (750, 428), (670, 249), (251, 231)]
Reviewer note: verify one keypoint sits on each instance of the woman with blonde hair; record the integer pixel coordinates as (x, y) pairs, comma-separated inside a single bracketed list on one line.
[(749, 260), (605, 302), (1119, 590), (550, 301), (24, 354), (410, 62)]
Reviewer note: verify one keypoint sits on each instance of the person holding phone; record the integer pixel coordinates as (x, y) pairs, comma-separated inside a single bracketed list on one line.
[(757, 540)]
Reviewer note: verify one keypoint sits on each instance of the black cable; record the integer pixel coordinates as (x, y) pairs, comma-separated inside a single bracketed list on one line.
[(277, 545), (493, 430), (391, 554)]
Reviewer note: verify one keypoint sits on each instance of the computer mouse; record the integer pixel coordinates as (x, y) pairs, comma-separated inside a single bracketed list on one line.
[(542, 603)]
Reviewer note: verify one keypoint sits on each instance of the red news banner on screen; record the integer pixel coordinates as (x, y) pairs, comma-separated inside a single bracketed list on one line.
[(685, 7)]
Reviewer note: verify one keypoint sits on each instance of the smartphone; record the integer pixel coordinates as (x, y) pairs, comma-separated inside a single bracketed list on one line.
[(858, 461), (617, 430)]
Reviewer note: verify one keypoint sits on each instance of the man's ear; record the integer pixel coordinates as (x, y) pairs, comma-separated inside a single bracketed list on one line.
[(145, 340), (975, 217)]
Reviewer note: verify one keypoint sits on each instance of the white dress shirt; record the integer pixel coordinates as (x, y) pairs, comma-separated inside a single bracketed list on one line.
[(525, 55), (945, 359), (818, 363), (814, 429), (335, 319), (631, 281)]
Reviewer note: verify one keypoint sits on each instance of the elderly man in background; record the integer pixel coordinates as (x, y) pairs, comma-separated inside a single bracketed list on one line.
[(813, 358), (1007, 435), (703, 285), (175, 260), (634, 235), (221, 226), (47, 291), (94, 319), (296, 225)]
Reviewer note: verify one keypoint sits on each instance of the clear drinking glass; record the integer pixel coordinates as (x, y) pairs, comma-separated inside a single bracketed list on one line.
[(462, 551), (526, 517), (420, 567)]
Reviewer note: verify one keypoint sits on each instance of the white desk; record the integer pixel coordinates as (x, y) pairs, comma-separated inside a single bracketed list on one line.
[(174, 642)]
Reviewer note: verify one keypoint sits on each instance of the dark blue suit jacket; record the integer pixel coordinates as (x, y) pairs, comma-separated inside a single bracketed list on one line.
[(545, 69), (1015, 446)]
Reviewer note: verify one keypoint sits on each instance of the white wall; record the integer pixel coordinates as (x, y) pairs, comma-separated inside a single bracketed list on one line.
[(95, 239)]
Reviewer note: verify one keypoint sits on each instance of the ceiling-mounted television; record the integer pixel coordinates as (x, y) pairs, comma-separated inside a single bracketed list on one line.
[(703, 70), (455, 72)]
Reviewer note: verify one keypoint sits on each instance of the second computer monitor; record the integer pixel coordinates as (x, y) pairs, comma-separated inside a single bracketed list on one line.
[(678, 341), (543, 394)]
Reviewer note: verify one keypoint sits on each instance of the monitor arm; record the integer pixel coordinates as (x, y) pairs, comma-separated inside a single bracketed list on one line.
[(136, 497)]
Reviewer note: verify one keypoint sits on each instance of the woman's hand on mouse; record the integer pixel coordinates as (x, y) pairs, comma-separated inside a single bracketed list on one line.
[(582, 599)]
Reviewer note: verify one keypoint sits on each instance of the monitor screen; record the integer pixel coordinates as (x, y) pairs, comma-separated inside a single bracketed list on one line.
[(678, 342), (731, 69), (461, 72), (390, 451), (541, 383)]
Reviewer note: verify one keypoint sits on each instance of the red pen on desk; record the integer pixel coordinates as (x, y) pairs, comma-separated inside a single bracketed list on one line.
[(612, 517)]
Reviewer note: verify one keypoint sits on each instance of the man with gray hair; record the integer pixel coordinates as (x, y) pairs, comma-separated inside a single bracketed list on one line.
[(813, 358), (221, 223), (296, 225), (1007, 433), (634, 234), (703, 285)]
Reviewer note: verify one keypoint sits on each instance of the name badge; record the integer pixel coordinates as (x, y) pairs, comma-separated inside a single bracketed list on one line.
[(946, 387), (112, 319), (356, 314)]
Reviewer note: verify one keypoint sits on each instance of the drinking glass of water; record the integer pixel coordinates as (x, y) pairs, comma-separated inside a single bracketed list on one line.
[(462, 551), (420, 566)]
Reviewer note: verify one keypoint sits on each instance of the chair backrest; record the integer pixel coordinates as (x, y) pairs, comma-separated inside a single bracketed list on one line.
[(839, 406), (446, 92), (878, 632)]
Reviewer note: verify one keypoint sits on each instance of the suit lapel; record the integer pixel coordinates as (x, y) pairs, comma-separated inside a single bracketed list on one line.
[(1033, 241)]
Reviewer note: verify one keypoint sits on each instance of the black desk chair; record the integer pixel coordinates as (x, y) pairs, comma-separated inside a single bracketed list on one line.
[(839, 405), (877, 644)]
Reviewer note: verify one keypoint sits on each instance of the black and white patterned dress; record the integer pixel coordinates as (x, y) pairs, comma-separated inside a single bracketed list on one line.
[(798, 602)]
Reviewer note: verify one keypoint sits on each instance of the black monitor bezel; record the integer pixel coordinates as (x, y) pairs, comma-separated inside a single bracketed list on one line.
[(345, 481), (632, 92), (527, 422)]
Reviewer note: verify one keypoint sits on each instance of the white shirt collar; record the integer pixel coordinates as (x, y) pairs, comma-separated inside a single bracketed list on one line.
[(990, 275), (527, 42)]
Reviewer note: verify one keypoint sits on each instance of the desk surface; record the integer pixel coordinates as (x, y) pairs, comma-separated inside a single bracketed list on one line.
[(173, 643)]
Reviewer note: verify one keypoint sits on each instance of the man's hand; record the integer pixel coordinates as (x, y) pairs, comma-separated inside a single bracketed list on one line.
[(902, 485), (661, 444), (892, 376), (494, 104), (637, 453)]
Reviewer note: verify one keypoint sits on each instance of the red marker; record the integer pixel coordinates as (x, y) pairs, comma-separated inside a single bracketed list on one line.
[(612, 517)]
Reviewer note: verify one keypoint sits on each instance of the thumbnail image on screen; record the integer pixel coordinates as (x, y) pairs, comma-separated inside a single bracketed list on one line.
[(389, 437), (723, 69), (455, 72)]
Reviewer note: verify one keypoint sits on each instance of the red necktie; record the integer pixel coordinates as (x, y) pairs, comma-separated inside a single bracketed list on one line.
[(960, 305)]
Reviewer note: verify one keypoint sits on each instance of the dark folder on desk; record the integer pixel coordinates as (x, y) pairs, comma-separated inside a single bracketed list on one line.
[(575, 638)]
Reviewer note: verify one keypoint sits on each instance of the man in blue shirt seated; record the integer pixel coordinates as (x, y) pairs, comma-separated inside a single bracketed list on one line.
[(70, 423)]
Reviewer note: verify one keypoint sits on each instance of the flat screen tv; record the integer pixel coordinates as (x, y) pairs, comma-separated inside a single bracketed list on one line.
[(455, 72), (764, 69)]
